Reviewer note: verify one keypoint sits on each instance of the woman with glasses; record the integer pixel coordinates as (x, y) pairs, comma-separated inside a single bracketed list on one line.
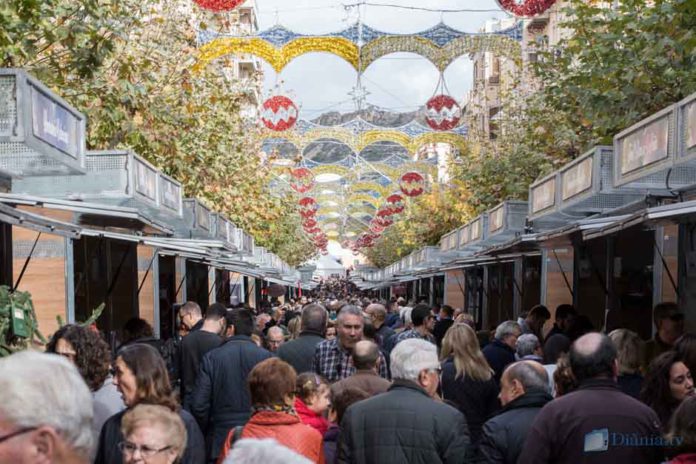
[(140, 374), (467, 379), (153, 435), (90, 354)]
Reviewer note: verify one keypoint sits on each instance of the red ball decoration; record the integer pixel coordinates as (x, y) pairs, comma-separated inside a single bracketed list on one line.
[(526, 8), (383, 221), (309, 223), (303, 180), (442, 113), (412, 184), (218, 5), (279, 113), (395, 203), (308, 207)]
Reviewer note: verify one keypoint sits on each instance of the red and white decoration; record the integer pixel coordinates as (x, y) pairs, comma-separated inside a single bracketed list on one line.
[(526, 8), (442, 113), (395, 204), (309, 224), (279, 113), (384, 222), (302, 180), (412, 184), (308, 207), (218, 5)]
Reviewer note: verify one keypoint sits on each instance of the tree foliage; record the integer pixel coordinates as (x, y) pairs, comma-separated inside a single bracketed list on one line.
[(125, 64)]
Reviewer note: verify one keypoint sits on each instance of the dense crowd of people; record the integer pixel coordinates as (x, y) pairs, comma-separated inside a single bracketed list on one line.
[(336, 377)]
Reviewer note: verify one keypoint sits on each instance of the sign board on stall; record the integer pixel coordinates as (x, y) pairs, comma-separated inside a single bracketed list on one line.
[(577, 179), (645, 146)]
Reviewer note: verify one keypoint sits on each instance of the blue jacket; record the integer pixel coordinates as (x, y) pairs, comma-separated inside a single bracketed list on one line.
[(498, 355), (221, 398)]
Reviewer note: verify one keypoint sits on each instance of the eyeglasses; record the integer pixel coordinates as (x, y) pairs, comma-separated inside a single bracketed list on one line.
[(130, 449), (67, 354), (17, 433)]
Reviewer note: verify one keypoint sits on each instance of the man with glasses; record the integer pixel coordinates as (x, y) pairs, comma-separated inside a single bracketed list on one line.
[(45, 412), (669, 326), (501, 351), (406, 424), (423, 324)]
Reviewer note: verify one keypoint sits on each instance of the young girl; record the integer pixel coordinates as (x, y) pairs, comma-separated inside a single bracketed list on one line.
[(312, 401)]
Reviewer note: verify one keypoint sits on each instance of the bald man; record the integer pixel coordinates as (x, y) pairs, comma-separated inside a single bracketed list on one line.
[(366, 361), (274, 338), (524, 390), (597, 423)]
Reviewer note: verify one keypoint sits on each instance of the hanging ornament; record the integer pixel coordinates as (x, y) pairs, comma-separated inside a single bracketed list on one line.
[(279, 113), (218, 5), (376, 228), (412, 184), (309, 223), (313, 230), (303, 180), (308, 207), (525, 8), (442, 112), (395, 203), (384, 222)]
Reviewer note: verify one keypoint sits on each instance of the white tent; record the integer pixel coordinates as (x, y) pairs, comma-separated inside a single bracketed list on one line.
[(328, 266)]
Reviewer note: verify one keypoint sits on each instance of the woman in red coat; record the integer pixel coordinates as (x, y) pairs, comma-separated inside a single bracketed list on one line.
[(272, 387)]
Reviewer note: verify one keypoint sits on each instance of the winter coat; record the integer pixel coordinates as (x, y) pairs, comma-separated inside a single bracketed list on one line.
[(630, 384), (221, 399), (106, 402), (193, 347), (687, 458), (597, 417), (299, 353), (311, 418), (476, 399), (368, 381), (403, 425), (108, 451), (330, 443), (503, 436), (498, 355), (286, 429), (440, 330)]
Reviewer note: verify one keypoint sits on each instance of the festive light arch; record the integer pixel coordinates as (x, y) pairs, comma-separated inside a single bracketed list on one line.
[(359, 57)]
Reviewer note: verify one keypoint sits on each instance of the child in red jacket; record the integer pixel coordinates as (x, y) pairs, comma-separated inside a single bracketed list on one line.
[(312, 401)]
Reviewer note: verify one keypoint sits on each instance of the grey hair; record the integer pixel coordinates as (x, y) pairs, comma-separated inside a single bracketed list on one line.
[(526, 344), (41, 389), (507, 328), (406, 315), (349, 310), (530, 378), (267, 451), (410, 357), (314, 317)]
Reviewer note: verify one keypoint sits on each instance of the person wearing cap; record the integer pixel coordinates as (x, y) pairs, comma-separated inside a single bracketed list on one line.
[(669, 326), (423, 322)]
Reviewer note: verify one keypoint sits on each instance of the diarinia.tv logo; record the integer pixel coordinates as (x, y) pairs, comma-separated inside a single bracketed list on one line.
[(602, 439)]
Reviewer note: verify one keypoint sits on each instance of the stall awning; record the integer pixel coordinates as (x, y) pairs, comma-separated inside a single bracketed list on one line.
[(17, 217), (667, 213), (561, 234), (92, 215)]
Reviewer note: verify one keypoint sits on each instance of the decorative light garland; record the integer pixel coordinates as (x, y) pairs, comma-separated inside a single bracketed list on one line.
[(526, 8), (218, 5)]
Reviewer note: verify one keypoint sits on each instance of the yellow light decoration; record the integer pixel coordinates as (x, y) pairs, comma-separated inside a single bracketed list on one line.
[(370, 186), (332, 234), (332, 169), (277, 58), (358, 142), (356, 198), (441, 57)]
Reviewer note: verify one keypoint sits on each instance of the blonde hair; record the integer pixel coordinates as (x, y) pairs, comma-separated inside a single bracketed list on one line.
[(155, 416), (461, 343), (630, 349)]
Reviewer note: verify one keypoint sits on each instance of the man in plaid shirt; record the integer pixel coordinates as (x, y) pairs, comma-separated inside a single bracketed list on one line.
[(333, 358)]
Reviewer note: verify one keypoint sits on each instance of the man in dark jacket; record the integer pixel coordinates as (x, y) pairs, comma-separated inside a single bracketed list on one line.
[(378, 315), (405, 425), (524, 390), (366, 360), (444, 323), (221, 399), (299, 353), (501, 351), (597, 423), (196, 344)]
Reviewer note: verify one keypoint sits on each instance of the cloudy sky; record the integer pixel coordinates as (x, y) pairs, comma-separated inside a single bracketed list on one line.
[(320, 82)]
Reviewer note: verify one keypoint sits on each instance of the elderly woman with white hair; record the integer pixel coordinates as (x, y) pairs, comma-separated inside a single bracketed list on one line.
[(428, 430), (45, 412)]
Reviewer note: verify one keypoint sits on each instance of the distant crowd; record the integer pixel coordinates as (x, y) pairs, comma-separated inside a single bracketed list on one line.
[(334, 377)]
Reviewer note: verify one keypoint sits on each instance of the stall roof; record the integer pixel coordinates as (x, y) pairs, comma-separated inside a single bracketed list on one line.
[(668, 212), (37, 222), (93, 215)]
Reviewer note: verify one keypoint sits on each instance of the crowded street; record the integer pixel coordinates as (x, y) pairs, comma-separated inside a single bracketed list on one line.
[(362, 232)]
